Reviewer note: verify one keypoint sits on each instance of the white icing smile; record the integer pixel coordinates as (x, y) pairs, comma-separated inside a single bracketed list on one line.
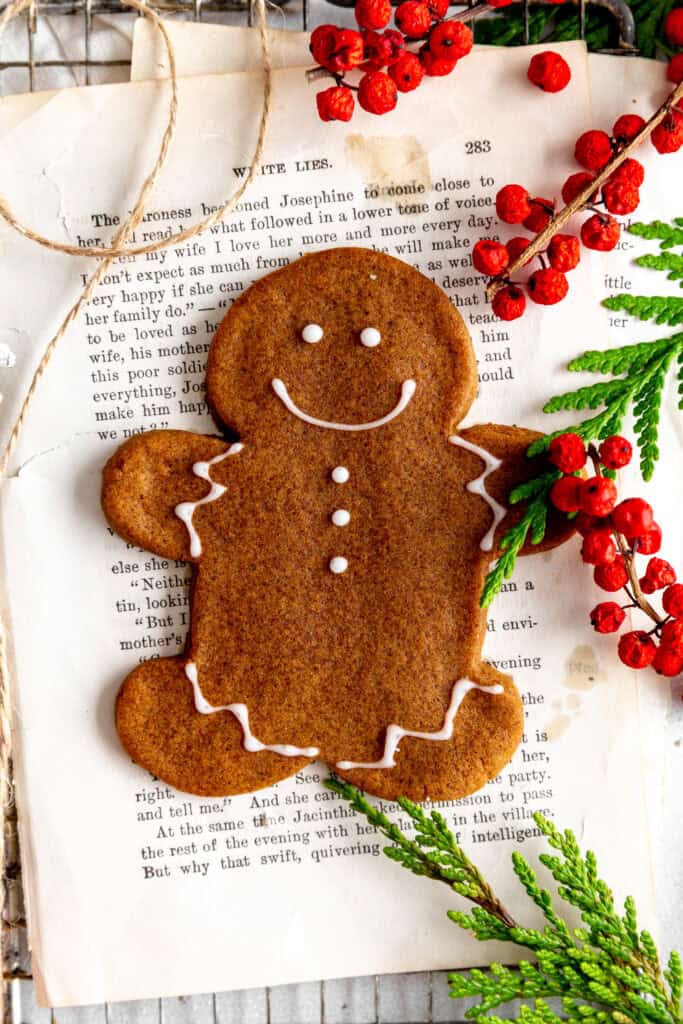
[(407, 392)]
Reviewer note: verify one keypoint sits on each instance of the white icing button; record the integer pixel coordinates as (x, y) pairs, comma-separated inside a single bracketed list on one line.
[(312, 333), (340, 474), (340, 517), (338, 564), (370, 337)]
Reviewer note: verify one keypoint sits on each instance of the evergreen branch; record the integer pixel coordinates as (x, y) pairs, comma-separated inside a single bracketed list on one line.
[(663, 309), (664, 261), (668, 235), (530, 529), (433, 853), (507, 28), (606, 972)]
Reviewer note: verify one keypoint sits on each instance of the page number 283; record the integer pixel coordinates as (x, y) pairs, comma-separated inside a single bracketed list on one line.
[(474, 146)]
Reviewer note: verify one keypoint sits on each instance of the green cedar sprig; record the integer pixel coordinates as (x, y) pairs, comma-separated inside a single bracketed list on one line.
[(606, 972), (433, 853), (636, 379), (507, 28), (529, 530)]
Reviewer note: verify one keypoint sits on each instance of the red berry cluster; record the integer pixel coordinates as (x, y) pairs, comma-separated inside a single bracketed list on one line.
[(618, 197), (673, 30), (381, 54), (614, 534)]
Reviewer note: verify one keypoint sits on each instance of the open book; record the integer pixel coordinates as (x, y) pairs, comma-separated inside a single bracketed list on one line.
[(136, 890)]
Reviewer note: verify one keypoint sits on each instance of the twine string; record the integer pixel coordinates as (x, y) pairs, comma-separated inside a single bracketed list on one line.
[(106, 256), (118, 248)]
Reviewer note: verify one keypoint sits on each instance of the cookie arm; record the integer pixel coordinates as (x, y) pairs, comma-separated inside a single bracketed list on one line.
[(144, 481), (509, 445)]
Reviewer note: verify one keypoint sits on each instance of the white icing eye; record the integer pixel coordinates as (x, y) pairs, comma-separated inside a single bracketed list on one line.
[(370, 337), (338, 565), (312, 333)]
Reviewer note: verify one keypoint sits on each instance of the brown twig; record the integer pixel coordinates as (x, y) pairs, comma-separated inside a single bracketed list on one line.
[(556, 223), (636, 593)]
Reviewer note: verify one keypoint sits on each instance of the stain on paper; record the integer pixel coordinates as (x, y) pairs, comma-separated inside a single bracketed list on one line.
[(558, 726), (384, 161), (583, 671)]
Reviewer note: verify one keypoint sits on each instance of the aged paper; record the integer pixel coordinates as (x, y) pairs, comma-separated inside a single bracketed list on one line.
[(135, 890), (212, 50)]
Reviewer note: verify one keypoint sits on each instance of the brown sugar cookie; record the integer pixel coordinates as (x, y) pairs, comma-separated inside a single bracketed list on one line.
[(340, 546)]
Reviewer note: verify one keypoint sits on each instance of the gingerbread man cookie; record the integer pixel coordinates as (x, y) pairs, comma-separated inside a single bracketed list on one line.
[(340, 544)]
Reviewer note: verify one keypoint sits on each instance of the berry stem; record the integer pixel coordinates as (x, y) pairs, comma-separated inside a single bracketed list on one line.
[(557, 222), (635, 593)]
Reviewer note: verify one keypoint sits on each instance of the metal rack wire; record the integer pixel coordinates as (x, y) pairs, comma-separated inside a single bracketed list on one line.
[(17, 960), (197, 10)]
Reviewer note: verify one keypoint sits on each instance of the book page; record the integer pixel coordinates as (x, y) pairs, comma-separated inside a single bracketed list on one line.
[(640, 86), (135, 890), (202, 49)]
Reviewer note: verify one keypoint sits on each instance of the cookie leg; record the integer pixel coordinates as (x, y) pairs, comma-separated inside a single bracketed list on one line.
[(163, 732), (486, 731)]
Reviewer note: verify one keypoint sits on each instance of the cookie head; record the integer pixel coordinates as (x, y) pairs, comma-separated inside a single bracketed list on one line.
[(348, 339)]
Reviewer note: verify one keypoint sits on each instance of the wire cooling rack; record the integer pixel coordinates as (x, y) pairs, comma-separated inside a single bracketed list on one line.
[(624, 34), (407, 999)]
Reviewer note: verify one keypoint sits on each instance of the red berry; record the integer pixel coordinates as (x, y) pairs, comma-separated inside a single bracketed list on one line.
[(668, 135), (667, 662), (516, 246), (650, 542), (600, 232), (672, 600), (549, 71), (607, 617), (674, 71), (547, 286), (500, 3), (673, 26), (436, 66), (383, 49), (575, 184), (637, 649), (615, 452), (407, 72), (632, 517), (377, 93), (450, 39), (337, 49), (620, 197), (593, 150), (565, 494), (438, 8), (323, 39), (627, 127), (512, 204), (335, 103), (585, 523), (539, 215), (631, 171), (598, 495), (490, 257), (598, 548), (564, 252), (413, 18), (612, 576), (509, 303), (373, 13), (659, 574), (567, 452), (672, 635)]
